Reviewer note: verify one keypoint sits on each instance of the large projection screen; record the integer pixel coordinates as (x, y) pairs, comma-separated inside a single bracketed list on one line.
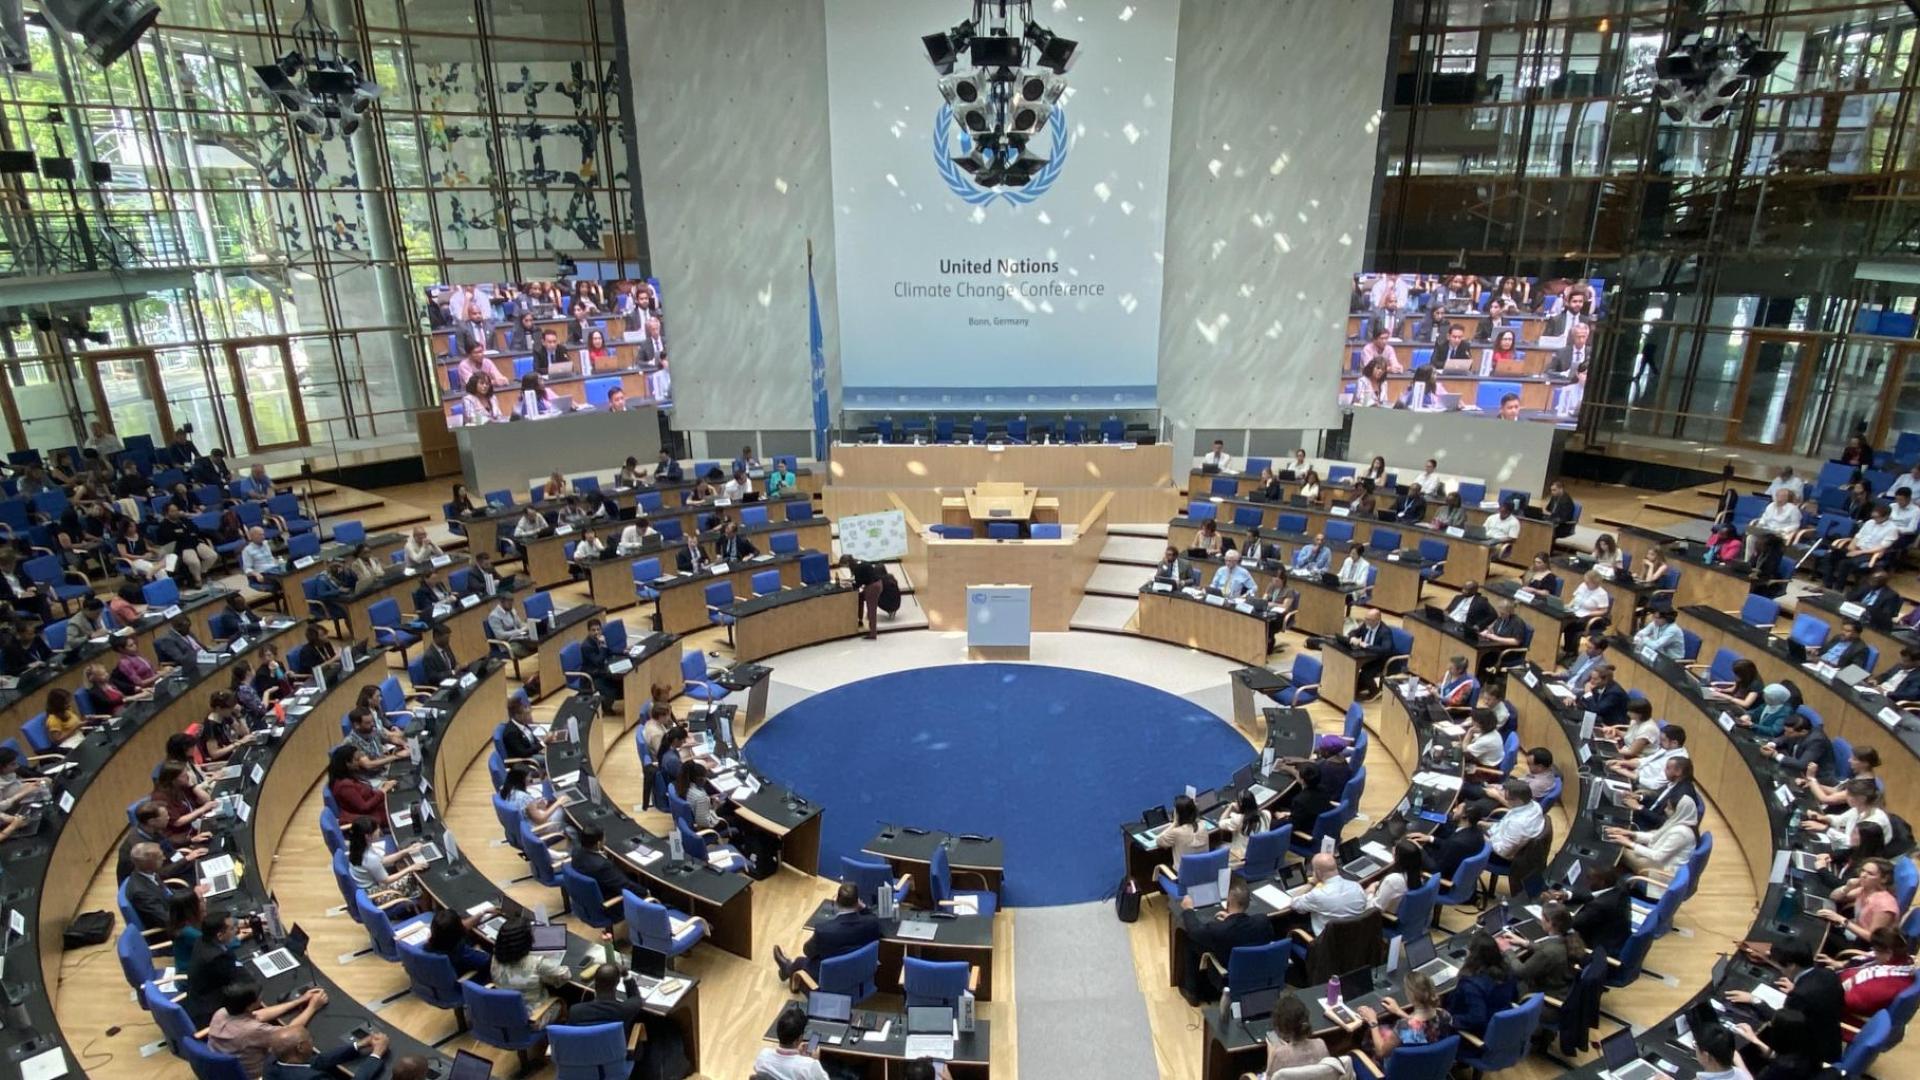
[(954, 295)]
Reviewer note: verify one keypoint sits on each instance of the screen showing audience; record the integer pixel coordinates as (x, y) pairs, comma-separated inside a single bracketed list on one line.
[(541, 350), (1503, 348)]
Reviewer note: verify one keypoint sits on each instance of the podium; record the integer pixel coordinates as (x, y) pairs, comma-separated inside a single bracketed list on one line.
[(998, 500), (999, 622)]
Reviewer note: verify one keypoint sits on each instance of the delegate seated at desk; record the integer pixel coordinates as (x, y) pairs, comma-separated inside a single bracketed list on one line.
[(1217, 937), (1314, 556), (1470, 609), (1232, 580), (1371, 644), (852, 927), (1176, 569), (1663, 635)]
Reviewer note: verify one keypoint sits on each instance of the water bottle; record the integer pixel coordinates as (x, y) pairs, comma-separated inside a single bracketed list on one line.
[(1789, 902)]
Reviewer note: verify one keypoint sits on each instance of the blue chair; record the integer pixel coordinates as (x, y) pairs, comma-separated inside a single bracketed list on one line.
[(1329, 823), (1414, 918), (37, 736), (784, 543), (1384, 540), (943, 430), (65, 586), (1251, 969), (1046, 530), (719, 599), (540, 857), (1017, 429), (343, 880), (872, 875), (1488, 399), (952, 532), (1246, 516), (1266, 852), (539, 605), (136, 956), (799, 510), (940, 886), (1290, 524), (1460, 889), (589, 1052), (432, 978), (1303, 683), (1003, 530), (852, 974), (693, 669), (1808, 631), (720, 856), (1340, 474), (644, 573), (1224, 486), (1201, 511), (937, 983), (1339, 533), (385, 617), (1195, 869), (499, 1019), (160, 594), (210, 1064), (1433, 1061), (1111, 430), (1509, 1037), (175, 1025), (814, 568), (1906, 877), (1074, 431), (659, 929), (1842, 766), (1873, 1038), (766, 582), (380, 929)]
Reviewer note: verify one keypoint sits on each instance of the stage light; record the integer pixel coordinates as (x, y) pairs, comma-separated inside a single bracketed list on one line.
[(1702, 79), (17, 163), (1033, 98), (962, 89), (107, 27), (943, 49), (1051, 51), (315, 83)]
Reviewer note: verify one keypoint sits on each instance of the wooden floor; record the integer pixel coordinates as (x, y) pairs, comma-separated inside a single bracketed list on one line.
[(740, 997)]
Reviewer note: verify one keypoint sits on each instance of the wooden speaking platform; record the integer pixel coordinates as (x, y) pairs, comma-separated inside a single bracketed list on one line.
[(1057, 570), (998, 500)]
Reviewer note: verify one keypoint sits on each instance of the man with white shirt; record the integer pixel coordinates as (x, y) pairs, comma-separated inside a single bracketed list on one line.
[(1429, 483), (1332, 898), (1663, 635), (1903, 513), (1504, 527), (1523, 821), (1217, 458), (1313, 556), (1788, 481), (635, 537), (1649, 770), (1781, 518), (257, 558), (1864, 551), (1232, 580), (1570, 357), (737, 489), (1907, 481), (1299, 465), (1354, 572)]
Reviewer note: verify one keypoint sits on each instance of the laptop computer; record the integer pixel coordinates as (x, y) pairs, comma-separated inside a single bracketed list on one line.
[(1361, 868), (1256, 1008), (469, 1066), (1357, 983), (1419, 955), (827, 1014), (1621, 1055), (276, 962), (1155, 817), (549, 938), (1204, 894), (929, 1033)]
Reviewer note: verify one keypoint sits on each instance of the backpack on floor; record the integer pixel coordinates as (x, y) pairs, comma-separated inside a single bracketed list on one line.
[(889, 595), (1126, 902), (761, 851)]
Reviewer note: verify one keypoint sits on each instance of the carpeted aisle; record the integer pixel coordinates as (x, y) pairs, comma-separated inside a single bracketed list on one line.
[(1049, 759), (1079, 997)]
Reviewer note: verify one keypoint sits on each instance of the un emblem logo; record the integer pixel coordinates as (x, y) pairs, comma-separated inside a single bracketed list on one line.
[(949, 158)]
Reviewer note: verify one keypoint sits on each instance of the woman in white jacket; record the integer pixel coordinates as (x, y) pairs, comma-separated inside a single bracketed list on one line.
[(1664, 849)]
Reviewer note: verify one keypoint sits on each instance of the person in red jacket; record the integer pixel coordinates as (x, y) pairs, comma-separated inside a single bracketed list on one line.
[(354, 797), (1872, 981)]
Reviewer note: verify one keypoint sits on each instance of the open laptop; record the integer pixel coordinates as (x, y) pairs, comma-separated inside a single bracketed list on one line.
[(469, 1066), (827, 1015), (1420, 956), (1621, 1056), (1362, 868), (549, 938), (929, 1033), (1357, 983), (275, 962)]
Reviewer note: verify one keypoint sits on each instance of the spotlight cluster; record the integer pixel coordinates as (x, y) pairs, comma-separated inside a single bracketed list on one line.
[(1701, 81), (107, 28), (317, 84), (1003, 75)]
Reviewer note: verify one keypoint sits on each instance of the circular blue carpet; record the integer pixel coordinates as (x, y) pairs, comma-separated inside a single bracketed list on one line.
[(1050, 760)]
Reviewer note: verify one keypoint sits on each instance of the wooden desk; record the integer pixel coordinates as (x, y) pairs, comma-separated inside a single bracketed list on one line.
[(1467, 559), (1057, 570), (1435, 644), (572, 627), (547, 558), (1547, 620), (661, 669), (399, 590), (1339, 675), (1104, 465), (1717, 587), (1536, 535), (782, 627), (991, 499), (610, 581), (1222, 630), (683, 601)]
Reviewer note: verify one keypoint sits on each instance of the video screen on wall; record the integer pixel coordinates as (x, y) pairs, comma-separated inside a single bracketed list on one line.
[(539, 350), (1506, 348)]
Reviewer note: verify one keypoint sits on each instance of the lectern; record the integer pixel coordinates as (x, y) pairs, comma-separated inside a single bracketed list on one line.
[(999, 622)]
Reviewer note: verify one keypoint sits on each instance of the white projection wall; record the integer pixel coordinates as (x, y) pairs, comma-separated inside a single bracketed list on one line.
[(954, 296)]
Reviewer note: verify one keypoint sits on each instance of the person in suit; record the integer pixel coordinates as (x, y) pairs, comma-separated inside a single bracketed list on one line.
[(432, 590), (1547, 967), (1471, 609), (1454, 842), (1603, 697), (1412, 509), (732, 547), (1559, 510), (1486, 986), (1881, 602), (590, 858), (1652, 813), (595, 656), (653, 346), (1845, 648), (1603, 917), (362, 1059), (212, 966), (504, 624), (691, 557), (1458, 350), (1567, 359), (517, 736), (438, 663), (668, 470), (1813, 991), (1218, 936), (178, 645), (1175, 569), (1371, 643), (1258, 550), (1800, 745), (148, 896), (852, 927)]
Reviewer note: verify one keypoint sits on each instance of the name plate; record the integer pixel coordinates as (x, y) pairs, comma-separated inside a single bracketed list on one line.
[(1456, 532), (468, 601), (564, 530), (442, 609), (303, 562), (1852, 610), (1604, 570), (619, 667), (1340, 511), (66, 802), (1216, 601), (1650, 655), (1524, 596), (468, 681), (1162, 586), (1891, 716), (442, 560), (1725, 721), (1393, 556), (1243, 608), (717, 568), (172, 612), (1527, 676)]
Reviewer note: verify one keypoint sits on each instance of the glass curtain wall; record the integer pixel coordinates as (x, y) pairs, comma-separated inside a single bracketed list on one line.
[(1521, 138), (291, 314)]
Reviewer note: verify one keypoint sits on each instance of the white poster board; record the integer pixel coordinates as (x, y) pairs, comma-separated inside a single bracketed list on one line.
[(880, 537)]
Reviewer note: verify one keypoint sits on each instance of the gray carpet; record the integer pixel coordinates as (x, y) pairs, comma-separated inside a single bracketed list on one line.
[(1080, 1009)]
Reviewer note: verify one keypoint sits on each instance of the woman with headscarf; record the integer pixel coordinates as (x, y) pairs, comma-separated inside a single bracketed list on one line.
[(1663, 849), (1776, 704)]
